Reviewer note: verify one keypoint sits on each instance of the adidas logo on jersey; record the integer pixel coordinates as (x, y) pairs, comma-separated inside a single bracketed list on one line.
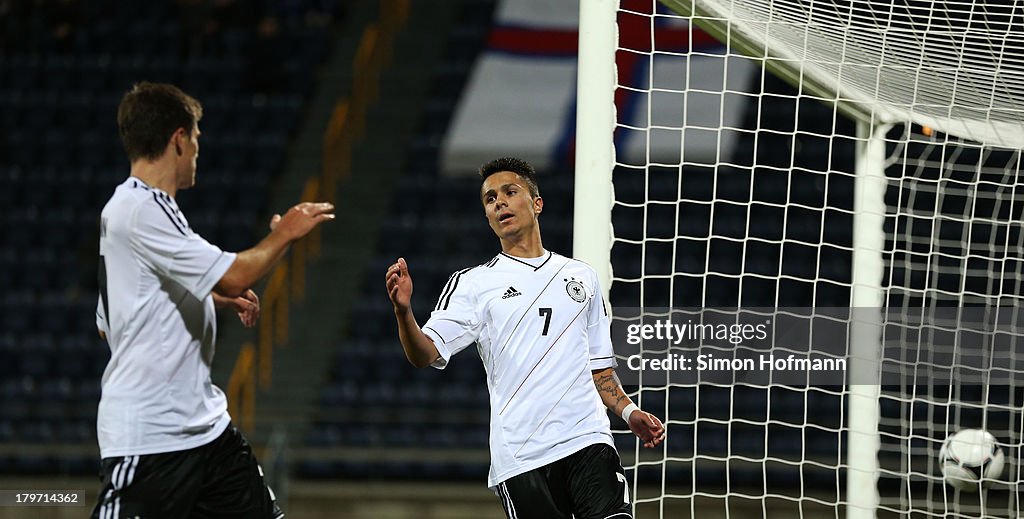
[(511, 292)]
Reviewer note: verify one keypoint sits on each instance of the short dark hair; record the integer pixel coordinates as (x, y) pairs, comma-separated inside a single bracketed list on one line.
[(518, 166), (150, 113)]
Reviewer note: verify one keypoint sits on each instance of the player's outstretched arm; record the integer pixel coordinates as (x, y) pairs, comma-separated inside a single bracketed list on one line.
[(252, 264), (419, 349), (644, 425)]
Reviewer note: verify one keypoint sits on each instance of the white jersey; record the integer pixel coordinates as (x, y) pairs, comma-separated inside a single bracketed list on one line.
[(540, 326), (156, 310)]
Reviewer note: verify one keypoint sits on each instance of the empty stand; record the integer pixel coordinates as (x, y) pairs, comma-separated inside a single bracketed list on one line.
[(60, 159)]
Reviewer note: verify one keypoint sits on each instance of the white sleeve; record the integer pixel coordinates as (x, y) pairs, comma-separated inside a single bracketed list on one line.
[(602, 355), (455, 322), (163, 241)]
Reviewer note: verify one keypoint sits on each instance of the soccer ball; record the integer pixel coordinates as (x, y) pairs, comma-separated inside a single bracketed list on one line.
[(971, 456)]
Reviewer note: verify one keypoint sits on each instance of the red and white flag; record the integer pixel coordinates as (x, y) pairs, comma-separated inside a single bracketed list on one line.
[(521, 96)]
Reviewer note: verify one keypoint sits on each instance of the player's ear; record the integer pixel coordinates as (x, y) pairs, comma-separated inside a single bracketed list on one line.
[(538, 205), (176, 139)]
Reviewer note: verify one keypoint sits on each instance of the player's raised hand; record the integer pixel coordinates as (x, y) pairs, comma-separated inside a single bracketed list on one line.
[(398, 283), (647, 427), (302, 218), (247, 306)]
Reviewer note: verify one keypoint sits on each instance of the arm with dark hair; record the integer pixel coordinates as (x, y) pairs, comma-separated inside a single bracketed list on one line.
[(252, 264)]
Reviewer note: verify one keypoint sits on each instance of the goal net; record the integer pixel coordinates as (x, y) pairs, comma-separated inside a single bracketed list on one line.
[(851, 167)]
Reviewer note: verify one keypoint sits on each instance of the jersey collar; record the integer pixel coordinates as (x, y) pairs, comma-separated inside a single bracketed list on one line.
[(533, 263), (137, 182)]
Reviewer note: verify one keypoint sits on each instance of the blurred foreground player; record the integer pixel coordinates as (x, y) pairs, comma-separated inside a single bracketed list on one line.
[(543, 335), (166, 441)]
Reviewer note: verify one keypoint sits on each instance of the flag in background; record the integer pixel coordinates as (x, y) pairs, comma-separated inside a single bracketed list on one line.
[(521, 96)]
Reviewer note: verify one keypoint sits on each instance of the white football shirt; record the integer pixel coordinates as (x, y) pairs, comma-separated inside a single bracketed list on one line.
[(540, 326), (155, 307)]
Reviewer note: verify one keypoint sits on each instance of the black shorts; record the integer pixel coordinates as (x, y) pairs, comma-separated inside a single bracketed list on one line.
[(588, 484), (221, 479)]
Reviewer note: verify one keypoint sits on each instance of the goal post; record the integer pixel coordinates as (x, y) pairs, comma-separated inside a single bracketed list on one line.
[(865, 326), (595, 152), (791, 156)]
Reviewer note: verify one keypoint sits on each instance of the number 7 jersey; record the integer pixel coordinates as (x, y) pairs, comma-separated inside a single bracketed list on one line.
[(541, 327)]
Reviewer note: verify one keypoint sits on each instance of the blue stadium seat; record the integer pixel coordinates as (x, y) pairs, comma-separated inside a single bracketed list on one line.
[(7, 433), (25, 73)]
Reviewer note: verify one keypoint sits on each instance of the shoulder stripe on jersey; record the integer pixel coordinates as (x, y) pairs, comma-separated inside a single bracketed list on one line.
[(528, 309), (175, 211), (449, 288), (540, 360), (453, 282), (169, 217), (172, 209), (493, 261), (444, 291), (538, 267), (455, 285)]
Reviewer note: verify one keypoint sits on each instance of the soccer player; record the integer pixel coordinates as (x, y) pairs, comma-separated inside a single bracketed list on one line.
[(542, 331), (166, 441)]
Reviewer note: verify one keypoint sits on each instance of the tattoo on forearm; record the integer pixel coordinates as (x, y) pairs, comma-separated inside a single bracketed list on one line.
[(607, 385)]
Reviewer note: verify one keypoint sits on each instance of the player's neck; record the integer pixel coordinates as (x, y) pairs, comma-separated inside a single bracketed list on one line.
[(159, 174), (529, 246)]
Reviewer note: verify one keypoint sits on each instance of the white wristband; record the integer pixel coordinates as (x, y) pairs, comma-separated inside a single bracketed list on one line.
[(628, 411)]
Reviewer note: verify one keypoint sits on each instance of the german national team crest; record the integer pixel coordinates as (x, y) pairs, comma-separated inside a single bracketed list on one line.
[(576, 290)]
